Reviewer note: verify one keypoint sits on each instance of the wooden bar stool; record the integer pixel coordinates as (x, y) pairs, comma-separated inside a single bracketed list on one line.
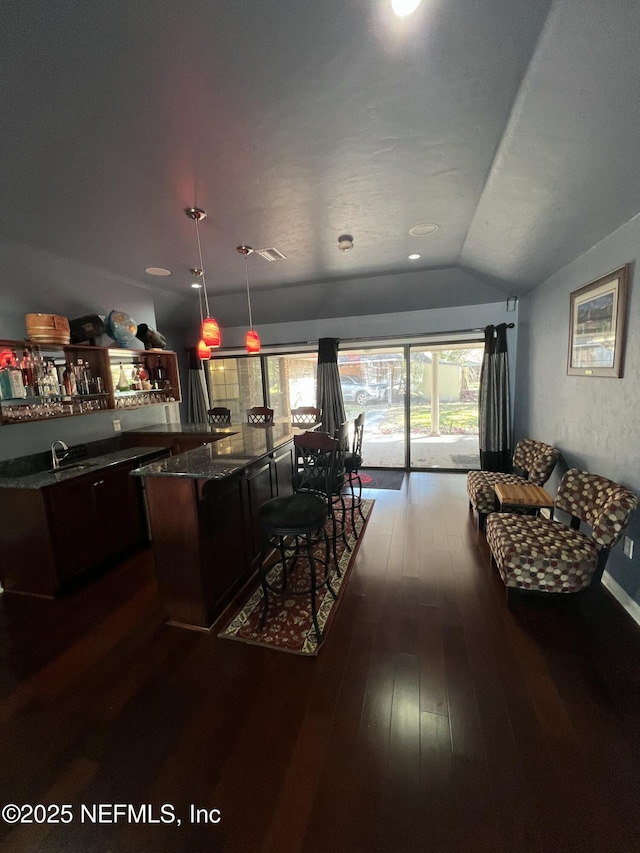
[(305, 416), (219, 415), (260, 415)]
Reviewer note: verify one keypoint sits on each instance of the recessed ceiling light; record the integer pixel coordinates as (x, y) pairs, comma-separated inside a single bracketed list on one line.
[(402, 8), (423, 230), (414, 257), (196, 285), (157, 271)]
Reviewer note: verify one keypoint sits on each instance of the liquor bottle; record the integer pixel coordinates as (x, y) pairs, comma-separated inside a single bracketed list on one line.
[(89, 382), (39, 370), (161, 374), (26, 366), (81, 377), (123, 382), (49, 386), (11, 384), (18, 391), (69, 380)]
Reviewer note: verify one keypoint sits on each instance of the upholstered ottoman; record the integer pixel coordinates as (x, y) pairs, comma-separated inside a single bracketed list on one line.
[(534, 459)]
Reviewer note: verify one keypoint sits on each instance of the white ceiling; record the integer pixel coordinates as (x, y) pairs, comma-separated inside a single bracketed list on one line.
[(514, 126)]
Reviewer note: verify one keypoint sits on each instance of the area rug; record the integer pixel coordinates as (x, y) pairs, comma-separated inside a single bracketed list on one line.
[(289, 627), (382, 479)]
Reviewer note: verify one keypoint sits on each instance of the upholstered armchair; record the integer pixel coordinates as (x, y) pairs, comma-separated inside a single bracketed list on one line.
[(546, 555), (534, 459)]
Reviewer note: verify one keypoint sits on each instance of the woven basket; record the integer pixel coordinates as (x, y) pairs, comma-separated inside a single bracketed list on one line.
[(48, 329)]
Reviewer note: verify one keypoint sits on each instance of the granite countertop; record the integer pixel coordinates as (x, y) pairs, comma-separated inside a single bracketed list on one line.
[(88, 465), (202, 463), (237, 447)]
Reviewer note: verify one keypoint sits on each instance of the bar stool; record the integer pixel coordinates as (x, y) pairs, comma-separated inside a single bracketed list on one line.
[(293, 524), (305, 416), (352, 463), (219, 415), (260, 415)]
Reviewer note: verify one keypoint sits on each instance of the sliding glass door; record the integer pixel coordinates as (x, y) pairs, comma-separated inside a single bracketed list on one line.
[(371, 382), (443, 410), (429, 421)]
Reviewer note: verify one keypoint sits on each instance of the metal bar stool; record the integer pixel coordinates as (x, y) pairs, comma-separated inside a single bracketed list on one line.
[(219, 415), (260, 415), (294, 524), (352, 463)]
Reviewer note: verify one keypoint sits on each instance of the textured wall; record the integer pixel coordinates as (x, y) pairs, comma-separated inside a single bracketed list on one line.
[(594, 421)]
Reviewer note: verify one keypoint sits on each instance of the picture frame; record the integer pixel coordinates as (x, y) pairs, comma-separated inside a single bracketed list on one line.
[(597, 326)]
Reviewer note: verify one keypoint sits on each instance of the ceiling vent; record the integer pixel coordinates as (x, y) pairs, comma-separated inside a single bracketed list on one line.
[(271, 254)]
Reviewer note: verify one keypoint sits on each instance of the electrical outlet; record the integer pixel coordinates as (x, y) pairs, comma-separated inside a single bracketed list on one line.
[(117, 426), (628, 547)]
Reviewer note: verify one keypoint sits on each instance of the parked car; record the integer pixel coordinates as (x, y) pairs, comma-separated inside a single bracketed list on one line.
[(353, 388)]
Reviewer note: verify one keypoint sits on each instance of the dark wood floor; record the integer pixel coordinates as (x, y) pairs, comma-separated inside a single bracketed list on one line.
[(434, 719)]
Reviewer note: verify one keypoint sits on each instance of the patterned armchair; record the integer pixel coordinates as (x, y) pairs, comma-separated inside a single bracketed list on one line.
[(535, 459), (545, 555)]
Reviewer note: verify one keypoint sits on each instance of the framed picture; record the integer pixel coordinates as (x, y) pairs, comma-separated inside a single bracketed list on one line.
[(597, 326)]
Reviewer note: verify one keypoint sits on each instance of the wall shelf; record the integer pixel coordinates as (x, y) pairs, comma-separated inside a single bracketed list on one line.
[(157, 370)]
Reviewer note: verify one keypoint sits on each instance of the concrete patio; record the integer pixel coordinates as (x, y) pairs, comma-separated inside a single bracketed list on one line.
[(447, 451)]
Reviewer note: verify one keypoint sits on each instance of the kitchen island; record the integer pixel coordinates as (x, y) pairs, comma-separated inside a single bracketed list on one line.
[(203, 509)]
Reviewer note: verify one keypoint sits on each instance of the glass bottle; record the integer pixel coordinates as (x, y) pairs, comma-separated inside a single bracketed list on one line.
[(26, 366), (79, 370), (69, 380), (49, 383), (123, 382), (161, 374), (13, 384)]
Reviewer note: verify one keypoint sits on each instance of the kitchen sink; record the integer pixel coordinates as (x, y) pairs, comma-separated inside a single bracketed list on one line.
[(72, 466)]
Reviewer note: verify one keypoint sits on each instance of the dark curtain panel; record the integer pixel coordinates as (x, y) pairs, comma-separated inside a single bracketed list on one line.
[(494, 406), (198, 398), (329, 394)]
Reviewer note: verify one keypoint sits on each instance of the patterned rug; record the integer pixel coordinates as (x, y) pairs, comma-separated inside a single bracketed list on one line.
[(289, 627)]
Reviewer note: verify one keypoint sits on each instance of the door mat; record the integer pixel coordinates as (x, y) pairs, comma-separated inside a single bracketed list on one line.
[(289, 626), (382, 479)]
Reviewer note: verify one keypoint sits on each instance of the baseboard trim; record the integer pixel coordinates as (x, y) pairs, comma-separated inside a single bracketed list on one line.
[(623, 598)]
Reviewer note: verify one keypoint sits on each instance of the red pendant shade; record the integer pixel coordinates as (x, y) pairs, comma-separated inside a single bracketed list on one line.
[(210, 332), (252, 341), (204, 352)]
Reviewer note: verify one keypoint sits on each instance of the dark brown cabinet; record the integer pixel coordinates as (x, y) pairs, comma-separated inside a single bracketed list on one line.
[(49, 536), (207, 549)]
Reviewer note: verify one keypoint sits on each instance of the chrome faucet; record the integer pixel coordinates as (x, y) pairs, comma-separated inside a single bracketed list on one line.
[(55, 461)]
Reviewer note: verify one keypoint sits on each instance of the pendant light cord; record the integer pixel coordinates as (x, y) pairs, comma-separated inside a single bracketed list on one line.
[(246, 266), (204, 282)]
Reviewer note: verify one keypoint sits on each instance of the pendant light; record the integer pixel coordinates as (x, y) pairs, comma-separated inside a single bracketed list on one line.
[(251, 340), (210, 332), (204, 353)]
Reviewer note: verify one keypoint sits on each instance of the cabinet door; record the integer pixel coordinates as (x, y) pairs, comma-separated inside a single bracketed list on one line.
[(283, 466), (221, 524), (73, 526), (117, 504), (258, 489)]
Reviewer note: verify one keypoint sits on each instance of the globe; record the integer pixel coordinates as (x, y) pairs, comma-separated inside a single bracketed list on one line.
[(119, 326)]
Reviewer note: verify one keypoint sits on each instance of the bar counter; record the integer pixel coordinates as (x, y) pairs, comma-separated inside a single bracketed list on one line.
[(203, 510)]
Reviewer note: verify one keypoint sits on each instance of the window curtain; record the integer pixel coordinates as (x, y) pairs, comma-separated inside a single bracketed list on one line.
[(494, 405), (198, 397), (329, 394)]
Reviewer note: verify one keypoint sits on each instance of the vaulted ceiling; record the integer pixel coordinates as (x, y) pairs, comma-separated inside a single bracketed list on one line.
[(513, 126)]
